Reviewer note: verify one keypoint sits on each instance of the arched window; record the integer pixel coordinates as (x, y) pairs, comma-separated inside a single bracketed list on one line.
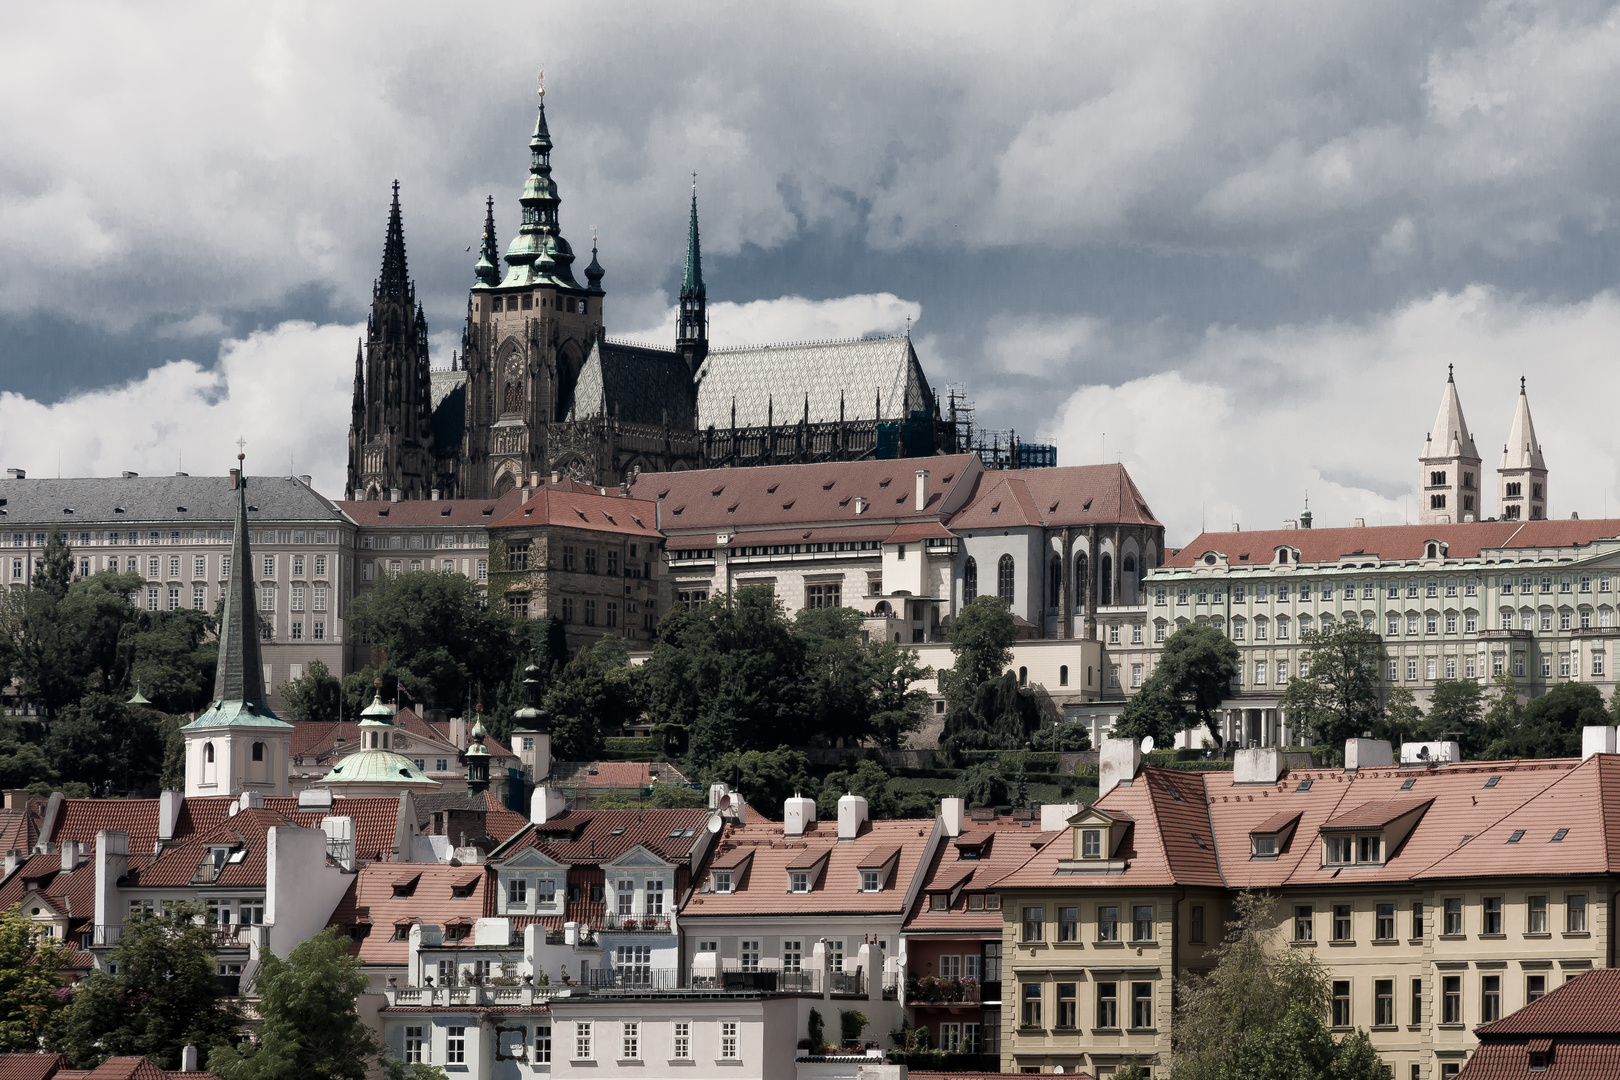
[(883, 608), (1433, 549), (1105, 586), (1004, 579), (1080, 581), (514, 399), (1129, 565), (258, 751), (1063, 675), (970, 580), (1023, 676), (1057, 583), (208, 763)]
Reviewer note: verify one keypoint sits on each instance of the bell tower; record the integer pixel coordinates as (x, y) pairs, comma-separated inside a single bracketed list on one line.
[(1522, 478), (1449, 466)]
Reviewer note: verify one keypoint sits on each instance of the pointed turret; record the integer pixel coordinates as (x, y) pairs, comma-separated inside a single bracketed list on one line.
[(395, 277), (488, 268), (594, 272), (1449, 465), (1522, 477), (692, 338), (238, 713), (539, 254)]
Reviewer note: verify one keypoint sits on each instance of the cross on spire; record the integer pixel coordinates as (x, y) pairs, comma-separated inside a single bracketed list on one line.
[(241, 447)]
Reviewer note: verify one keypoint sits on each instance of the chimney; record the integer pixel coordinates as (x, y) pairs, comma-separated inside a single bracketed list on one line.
[(393, 494), (130, 475), (1117, 762), (458, 732), (250, 800), (14, 859), (922, 490), (1360, 523), (236, 479), (306, 479), (188, 1059), (798, 814), (1055, 816), (860, 505), (16, 474), (1367, 754), (953, 814), (1290, 523), (340, 840), (851, 816), (556, 476), (545, 804), (70, 856), (435, 495), (17, 799), (534, 479), (1596, 740), (169, 804), (1258, 765), (1236, 527)]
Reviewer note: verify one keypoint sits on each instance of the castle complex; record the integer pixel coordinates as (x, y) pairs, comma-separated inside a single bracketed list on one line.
[(538, 388)]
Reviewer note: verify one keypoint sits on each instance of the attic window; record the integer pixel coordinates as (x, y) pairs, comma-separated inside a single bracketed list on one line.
[(844, 501), (1406, 785), (788, 505), (1265, 845), (1052, 509), (456, 933), (488, 510), (1199, 840), (118, 509), (716, 492), (722, 881), (772, 489), (827, 486), (180, 510), (1518, 834), (618, 832), (464, 889), (996, 509), (732, 509), (406, 888), (678, 509), (885, 481), (1354, 850), (1558, 837), (1304, 785), (445, 512), (1091, 844), (1492, 781)]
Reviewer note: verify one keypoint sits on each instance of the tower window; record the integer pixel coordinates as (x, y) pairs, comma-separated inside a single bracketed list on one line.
[(1437, 479), (1514, 490), (1437, 502)]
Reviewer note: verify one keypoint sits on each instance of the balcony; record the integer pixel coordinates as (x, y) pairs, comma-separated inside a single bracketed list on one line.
[(637, 924), (942, 990), (633, 979), (846, 983)]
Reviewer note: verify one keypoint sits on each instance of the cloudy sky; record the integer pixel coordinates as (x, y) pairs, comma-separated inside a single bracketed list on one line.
[(1233, 245)]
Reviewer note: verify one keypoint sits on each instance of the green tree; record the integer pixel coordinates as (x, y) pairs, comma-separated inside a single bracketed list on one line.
[(1198, 665), (1403, 720), (579, 702), (1456, 711), (22, 762), (1550, 725), (315, 695), (1002, 716), (897, 704), (982, 784), (311, 1027), (53, 572), (101, 743), (1337, 695), (981, 636), (1062, 737), (30, 982), (1258, 1012), (158, 996), (838, 699), (1152, 710), (438, 629), (171, 656), (765, 777)]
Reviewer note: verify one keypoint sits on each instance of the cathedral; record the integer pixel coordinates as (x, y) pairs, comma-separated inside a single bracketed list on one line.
[(1452, 480), (538, 388)]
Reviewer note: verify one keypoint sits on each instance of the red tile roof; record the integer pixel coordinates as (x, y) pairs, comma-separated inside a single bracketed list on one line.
[(613, 775), (30, 1066), (1392, 542), (1577, 1024), (80, 819), (598, 836), (435, 512), (1588, 1004), (566, 505), (19, 828), (1003, 845), (72, 894), (246, 831), (1374, 815), (726, 500), (371, 897), (1053, 498)]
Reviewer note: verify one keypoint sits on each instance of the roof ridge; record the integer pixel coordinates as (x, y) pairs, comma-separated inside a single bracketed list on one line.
[(1332, 812), (1209, 816)]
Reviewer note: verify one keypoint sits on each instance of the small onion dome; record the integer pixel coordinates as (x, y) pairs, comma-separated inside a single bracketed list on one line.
[(594, 272), (139, 698), (378, 713)]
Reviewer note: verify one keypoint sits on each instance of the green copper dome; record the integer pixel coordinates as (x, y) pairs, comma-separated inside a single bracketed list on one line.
[(376, 767)]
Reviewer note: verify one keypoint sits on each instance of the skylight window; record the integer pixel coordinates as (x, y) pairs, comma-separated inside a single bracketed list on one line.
[(619, 831), (1492, 781), (1406, 785), (1518, 834), (1558, 837), (1304, 785)]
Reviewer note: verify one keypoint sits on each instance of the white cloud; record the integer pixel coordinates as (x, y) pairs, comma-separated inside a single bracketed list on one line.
[(1251, 420), (791, 318), (277, 389)]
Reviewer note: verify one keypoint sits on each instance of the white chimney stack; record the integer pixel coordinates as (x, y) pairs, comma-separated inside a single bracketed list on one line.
[(1596, 740), (953, 814), (922, 490), (1117, 762), (1368, 754), (798, 814), (851, 816), (545, 804)]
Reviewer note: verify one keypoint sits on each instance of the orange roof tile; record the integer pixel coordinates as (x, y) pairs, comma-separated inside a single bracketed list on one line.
[(30, 1066), (437, 512), (371, 897), (598, 836), (1588, 1004), (1069, 495), (1392, 542), (566, 505), (1001, 845), (1374, 815)]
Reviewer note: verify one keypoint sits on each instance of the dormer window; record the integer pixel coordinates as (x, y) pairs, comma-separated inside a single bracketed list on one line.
[(799, 882), (1091, 845), (1267, 840), (871, 881), (722, 881), (1265, 846)]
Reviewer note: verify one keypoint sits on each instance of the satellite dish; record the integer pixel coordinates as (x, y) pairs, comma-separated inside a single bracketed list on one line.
[(714, 823), (1147, 745), (725, 803)]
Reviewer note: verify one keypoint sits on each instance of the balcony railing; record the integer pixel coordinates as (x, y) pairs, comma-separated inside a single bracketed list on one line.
[(637, 924), (942, 990), (633, 979), (846, 983)]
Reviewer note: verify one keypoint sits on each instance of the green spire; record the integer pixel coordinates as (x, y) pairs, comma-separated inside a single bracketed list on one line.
[(239, 680), (1305, 515), (539, 254), (692, 336), (692, 282)]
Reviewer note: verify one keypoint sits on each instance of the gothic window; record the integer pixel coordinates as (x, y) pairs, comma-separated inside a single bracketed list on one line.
[(1057, 581), (1080, 563), (513, 401), (1105, 586), (1004, 579), (970, 580)]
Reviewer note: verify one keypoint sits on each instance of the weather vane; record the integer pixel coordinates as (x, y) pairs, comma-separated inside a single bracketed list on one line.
[(542, 84)]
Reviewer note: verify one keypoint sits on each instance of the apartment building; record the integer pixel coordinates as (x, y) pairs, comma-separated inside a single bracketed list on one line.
[(1438, 897), (176, 532)]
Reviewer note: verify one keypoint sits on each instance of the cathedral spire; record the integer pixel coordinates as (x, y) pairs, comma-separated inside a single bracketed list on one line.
[(1522, 476), (488, 269), (539, 254), (395, 277), (1449, 466), (692, 337)]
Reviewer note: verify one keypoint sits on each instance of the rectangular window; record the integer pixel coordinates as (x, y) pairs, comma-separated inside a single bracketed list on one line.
[(199, 598), (174, 599), (1068, 925), (1491, 911), (297, 630), (1490, 998), (1034, 921), (1453, 917), (1341, 922), (749, 955), (792, 955), (1341, 1003), (590, 613), (542, 1043), (1107, 1005), (871, 881), (681, 1040), (829, 594), (1142, 923), (1091, 843), (728, 1040), (630, 1041), (1534, 987), (590, 560), (1141, 1005), (517, 891), (1536, 916), (455, 1046), (1031, 1017), (1451, 999), (1384, 922), (1195, 926), (1575, 913), (799, 881), (1067, 1005), (1417, 1001), (1384, 1003), (1108, 923), (319, 633), (1302, 923), (413, 1045), (582, 1040)]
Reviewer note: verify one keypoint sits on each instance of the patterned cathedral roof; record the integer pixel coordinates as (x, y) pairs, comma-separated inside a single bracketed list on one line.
[(853, 380)]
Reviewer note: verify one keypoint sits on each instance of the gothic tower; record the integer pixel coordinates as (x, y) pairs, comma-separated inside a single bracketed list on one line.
[(1450, 465), (527, 335), (1522, 478), (390, 428), (692, 339)]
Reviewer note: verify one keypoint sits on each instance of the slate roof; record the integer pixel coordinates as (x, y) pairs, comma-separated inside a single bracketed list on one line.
[(1392, 542), (1055, 498), (775, 497), (159, 499), (772, 381), (380, 513), (763, 888), (450, 413), (565, 505), (637, 384), (1003, 845)]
